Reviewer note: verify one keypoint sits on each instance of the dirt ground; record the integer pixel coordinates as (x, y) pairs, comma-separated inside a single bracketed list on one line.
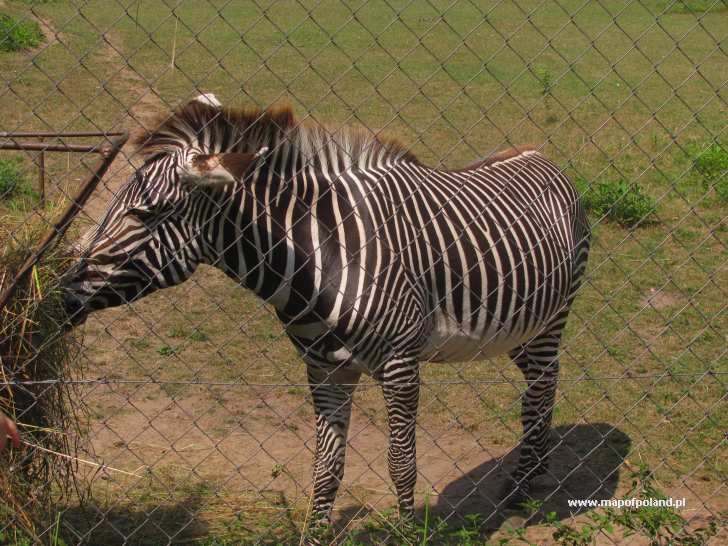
[(257, 441)]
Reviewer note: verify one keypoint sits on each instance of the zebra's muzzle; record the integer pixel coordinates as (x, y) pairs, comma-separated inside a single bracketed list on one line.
[(76, 310)]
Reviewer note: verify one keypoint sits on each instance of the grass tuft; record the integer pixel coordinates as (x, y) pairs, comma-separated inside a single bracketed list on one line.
[(13, 183), (546, 80), (167, 350), (17, 34), (627, 204), (712, 165)]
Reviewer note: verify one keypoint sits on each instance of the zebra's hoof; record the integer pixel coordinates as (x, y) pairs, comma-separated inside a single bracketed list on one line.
[(318, 537), (319, 532)]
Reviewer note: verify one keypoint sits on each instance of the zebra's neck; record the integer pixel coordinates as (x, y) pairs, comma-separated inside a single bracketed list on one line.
[(280, 230), (275, 231)]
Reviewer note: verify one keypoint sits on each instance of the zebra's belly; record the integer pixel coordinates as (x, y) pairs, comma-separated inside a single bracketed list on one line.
[(450, 342)]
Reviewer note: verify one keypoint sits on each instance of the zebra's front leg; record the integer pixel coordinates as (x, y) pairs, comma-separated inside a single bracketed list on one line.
[(538, 360), (401, 388), (332, 392)]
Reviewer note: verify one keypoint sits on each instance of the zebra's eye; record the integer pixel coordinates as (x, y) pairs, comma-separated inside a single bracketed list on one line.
[(147, 215), (143, 212)]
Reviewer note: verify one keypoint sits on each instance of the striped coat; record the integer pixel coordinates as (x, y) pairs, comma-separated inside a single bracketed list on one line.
[(373, 261)]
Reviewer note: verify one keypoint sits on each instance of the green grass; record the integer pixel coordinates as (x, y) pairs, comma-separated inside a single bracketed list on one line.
[(167, 350), (12, 178), (37, 2), (712, 165), (16, 192), (625, 203), (18, 34), (696, 6), (446, 84)]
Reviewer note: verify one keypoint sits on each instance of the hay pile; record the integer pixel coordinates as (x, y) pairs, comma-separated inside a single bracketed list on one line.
[(35, 479)]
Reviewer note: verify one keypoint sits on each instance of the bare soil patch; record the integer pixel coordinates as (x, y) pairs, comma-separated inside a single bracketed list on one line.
[(659, 299)]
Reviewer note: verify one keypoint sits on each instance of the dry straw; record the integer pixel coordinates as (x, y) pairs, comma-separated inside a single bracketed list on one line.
[(33, 348)]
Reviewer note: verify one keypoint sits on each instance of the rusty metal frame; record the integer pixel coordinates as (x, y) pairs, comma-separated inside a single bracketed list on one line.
[(12, 144), (57, 230), (42, 134)]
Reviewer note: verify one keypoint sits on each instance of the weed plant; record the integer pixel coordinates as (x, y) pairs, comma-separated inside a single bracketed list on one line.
[(17, 34), (624, 203), (13, 183), (712, 165)]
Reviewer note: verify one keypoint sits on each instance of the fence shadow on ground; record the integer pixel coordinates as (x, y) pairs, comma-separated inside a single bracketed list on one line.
[(585, 464), (196, 513), (140, 525)]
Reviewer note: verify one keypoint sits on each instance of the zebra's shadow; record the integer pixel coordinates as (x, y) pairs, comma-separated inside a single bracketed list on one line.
[(585, 463)]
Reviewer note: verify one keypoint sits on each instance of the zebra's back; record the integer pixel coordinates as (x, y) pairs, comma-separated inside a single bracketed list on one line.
[(493, 251)]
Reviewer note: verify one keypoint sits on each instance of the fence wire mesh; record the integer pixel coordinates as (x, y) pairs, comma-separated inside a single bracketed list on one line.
[(199, 426)]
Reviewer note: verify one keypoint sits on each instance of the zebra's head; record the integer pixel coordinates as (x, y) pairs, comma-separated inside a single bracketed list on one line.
[(153, 234)]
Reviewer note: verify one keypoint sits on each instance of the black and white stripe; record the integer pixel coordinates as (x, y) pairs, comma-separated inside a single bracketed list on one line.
[(373, 261)]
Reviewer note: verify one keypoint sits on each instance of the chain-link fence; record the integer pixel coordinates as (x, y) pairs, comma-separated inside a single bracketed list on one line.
[(200, 427)]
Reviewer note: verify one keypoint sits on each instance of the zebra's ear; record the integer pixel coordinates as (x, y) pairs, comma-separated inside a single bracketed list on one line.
[(208, 98), (217, 169)]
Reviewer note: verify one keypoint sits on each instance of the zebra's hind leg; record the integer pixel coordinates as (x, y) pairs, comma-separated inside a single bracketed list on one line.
[(401, 388), (332, 392), (539, 362)]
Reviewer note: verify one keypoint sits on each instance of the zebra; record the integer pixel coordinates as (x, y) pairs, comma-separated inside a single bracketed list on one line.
[(373, 261)]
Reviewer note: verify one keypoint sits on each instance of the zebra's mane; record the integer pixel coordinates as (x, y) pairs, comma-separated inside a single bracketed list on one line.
[(211, 128)]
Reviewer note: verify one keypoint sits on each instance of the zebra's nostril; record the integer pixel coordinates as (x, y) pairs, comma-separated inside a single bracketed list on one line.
[(75, 309)]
